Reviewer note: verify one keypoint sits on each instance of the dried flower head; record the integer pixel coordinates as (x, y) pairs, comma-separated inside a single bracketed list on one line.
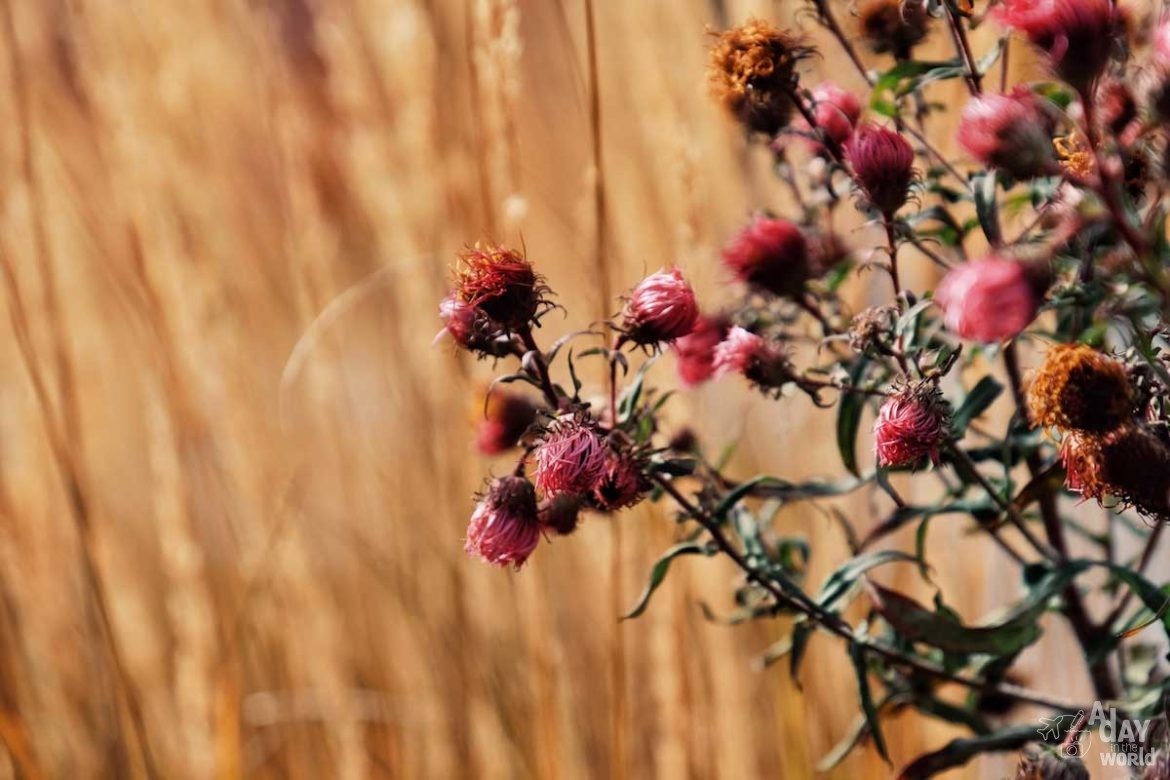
[(561, 514), (759, 360), (894, 26), (1078, 388), (753, 73), (1074, 154), (836, 112), (1050, 766), (622, 485), (570, 457), (504, 529), (883, 167), (1011, 131), (913, 423), (499, 282), (1077, 36), (661, 308), (988, 300), (770, 254), (1129, 463), (695, 352), (869, 326), (506, 416)]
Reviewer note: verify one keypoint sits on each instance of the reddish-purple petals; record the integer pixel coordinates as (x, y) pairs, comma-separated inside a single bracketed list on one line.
[(504, 528)]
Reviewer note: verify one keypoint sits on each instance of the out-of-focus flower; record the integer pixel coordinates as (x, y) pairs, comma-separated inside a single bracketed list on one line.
[(1078, 388), (836, 112), (869, 326), (570, 457), (988, 300), (753, 73), (1077, 36), (770, 254), (661, 308), (1160, 43), (760, 361), (894, 26), (911, 425), (622, 484), (504, 528), (506, 417), (883, 166), (826, 251), (695, 352), (499, 282), (1129, 463), (1012, 132), (561, 514)]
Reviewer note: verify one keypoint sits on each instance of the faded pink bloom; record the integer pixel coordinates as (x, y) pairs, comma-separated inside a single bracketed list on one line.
[(695, 352), (1011, 131), (1078, 36), (661, 308), (760, 361), (570, 458), (771, 254), (504, 529), (506, 418), (621, 485), (883, 167), (912, 424), (836, 112), (987, 300)]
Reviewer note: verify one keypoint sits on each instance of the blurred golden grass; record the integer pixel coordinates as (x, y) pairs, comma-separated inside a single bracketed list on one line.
[(194, 192)]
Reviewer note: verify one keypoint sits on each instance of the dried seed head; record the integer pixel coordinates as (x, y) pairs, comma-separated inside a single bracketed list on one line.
[(1129, 463), (894, 26), (753, 73), (989, 299), (1078, 388), (868, 327), (883, 166), (913, 423), (1077, 36), (504, 529), (506, 416), (570, 457), (1011, 131), (695, 352), (500, 283), (770, 254), (622, 485), (661, 308), (760, 361)]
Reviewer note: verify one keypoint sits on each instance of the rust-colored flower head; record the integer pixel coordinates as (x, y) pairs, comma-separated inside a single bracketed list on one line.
[(753, 73), (1129, 463), (883, 167), (570, 457), (912, 424), (1078, 388), (770, 254), (894, 26), (760, 361), (561, 514), (504, 529), (1078, 37), (660, 309), (870, 327), (500, 283), (695, 352), (506, 416), (622, 485), (1012, 132), (1050, 766), (988, 300)]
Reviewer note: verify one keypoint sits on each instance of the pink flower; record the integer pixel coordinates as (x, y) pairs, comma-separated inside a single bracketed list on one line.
[(504, 529), (621, 485), (661, 308), (911, 424), (836, 112), (1077, 36), (570, 458), (506, 418), (1011, 131), (759, 361), (771, 254), (695, 352), (1160, 43), (883, 167), (987, 300)]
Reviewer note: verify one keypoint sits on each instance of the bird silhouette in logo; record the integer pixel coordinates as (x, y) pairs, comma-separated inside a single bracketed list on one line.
[(1053, 728)]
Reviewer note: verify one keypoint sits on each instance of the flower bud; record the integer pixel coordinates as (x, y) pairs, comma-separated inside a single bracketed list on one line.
[(988, 300), (561, 514), (1012, 132), (695, 352), (506, 417), (504, 529), (883, 167), (500, 283), (894, 26), (760, 361), (661, 308), (1078, 388), (570, 457), (753, 73), (836, 112), (770, 254), (913, 423), (1077, 36), (622, 484)]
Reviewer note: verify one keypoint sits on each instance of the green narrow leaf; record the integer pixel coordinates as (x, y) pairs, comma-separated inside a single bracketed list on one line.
[(849, 417), (857, 655), (986, 207), (982, 395), (841, 581), (915, 623), (658, 573)]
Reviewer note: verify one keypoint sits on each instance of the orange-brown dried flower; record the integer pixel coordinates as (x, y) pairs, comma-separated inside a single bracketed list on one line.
[(1078, 388), (893, 26), (1130, 464), (753, 73)]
